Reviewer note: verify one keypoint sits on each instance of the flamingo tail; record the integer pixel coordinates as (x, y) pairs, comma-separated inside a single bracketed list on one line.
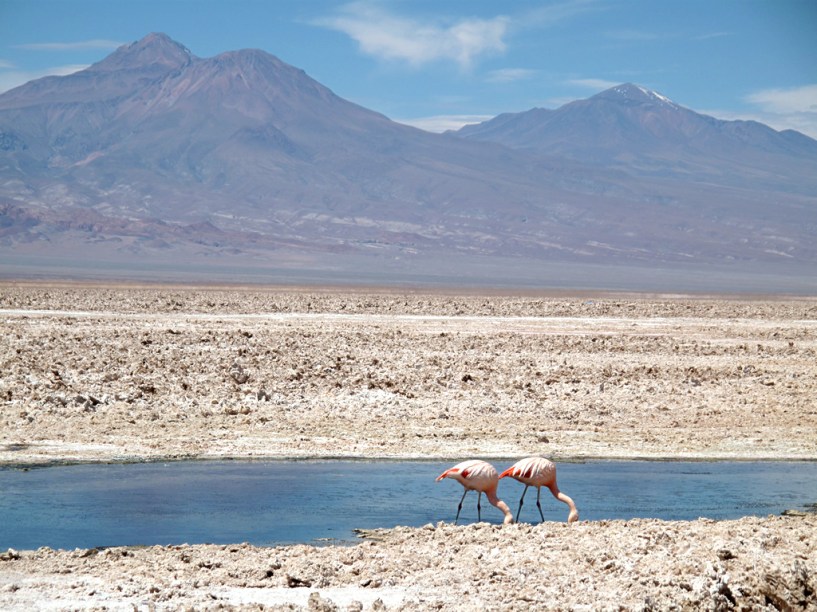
[(508, 472), (446, 473)]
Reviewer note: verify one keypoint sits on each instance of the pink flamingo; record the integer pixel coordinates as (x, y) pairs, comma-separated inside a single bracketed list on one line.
[(539, 472), (480, 476)]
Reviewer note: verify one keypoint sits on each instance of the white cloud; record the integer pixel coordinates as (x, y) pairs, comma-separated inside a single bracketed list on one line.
[(509, 75), (556, 12), (71, 46), (394, 37), (12, 75), (784, 101), (712, 35), (777, 122), (441, 123), (791, 108), (9, 79), (594, 84)]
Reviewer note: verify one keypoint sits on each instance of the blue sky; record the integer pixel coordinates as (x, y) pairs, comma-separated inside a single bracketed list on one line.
[(438, 64)]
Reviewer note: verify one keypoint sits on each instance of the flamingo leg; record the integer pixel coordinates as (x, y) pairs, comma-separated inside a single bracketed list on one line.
[(538, 505), (521, 501), (479, 510), (462, 499)]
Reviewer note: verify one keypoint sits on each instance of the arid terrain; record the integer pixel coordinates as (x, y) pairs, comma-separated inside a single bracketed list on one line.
[(104, 373)]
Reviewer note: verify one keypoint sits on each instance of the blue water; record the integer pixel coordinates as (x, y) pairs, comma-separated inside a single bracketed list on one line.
[(278, 502)]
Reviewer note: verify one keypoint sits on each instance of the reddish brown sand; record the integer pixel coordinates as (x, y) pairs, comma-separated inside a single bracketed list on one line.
[(99, 373)]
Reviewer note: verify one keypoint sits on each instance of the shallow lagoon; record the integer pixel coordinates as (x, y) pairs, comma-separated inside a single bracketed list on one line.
[(283, 502)]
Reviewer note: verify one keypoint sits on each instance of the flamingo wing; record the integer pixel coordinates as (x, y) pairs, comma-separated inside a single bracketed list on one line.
[(473, 468), (536, 471)]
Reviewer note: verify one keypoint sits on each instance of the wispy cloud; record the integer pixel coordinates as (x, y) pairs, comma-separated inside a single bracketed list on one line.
[(594, 84), (394, 37), (9, 79), (712, 35), (442, 123), (794, 108), (632, 35), (12, 75), (509, 75), (787, 108), (556, 12), (81, 45), (785, 101)]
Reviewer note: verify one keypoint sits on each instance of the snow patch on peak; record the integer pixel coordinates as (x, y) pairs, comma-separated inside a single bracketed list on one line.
[(655, 94), (632, 91)]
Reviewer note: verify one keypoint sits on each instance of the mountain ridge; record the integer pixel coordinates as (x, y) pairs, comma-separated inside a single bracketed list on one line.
[(155, 153), (643, 131), (156, 48)]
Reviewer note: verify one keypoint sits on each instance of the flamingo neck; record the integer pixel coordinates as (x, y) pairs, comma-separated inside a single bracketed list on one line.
[(491, 495), (574, 513)]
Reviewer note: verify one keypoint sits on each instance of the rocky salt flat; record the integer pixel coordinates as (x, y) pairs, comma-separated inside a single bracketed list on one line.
[(103, 373)]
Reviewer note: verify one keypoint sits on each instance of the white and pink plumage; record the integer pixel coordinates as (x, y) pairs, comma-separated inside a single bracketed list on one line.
[(480, 476), (539, 472)]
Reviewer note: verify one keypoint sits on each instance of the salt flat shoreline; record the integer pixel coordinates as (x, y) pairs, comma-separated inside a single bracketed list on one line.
[(34, 464), (142, 376)]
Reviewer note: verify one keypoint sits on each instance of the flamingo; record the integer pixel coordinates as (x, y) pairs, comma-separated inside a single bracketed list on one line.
[(480, 476), (539, 472)]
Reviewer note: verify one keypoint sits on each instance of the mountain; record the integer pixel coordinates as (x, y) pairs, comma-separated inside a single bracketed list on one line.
[(647, 134), (154, 162), (242, 141)]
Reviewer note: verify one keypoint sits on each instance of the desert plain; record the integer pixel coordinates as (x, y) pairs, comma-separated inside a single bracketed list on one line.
[(107, 373)]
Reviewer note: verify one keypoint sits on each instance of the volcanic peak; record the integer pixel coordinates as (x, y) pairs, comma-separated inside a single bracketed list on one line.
[(630, 92), (156, 50)]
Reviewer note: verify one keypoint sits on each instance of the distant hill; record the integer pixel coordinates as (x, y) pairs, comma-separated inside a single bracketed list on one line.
[(647, 134), (156, 162)]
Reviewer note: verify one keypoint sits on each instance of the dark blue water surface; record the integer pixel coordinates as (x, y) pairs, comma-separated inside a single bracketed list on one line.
[(278, 502)]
